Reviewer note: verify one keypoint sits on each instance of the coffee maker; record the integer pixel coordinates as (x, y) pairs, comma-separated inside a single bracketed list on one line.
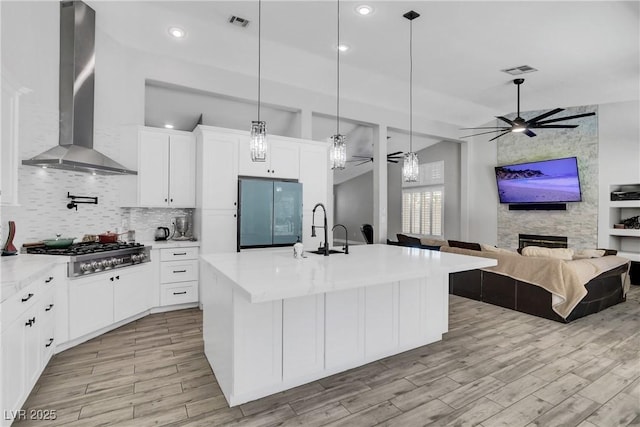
[(182, 228)]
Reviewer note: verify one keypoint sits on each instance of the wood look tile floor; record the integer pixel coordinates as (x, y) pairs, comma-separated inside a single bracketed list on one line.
[(495, 367)]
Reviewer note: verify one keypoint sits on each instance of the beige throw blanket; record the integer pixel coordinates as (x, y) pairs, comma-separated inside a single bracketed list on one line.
[(565, 280)]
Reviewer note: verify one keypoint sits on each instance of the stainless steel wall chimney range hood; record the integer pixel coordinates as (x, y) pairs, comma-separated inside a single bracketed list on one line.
[(77, 64)]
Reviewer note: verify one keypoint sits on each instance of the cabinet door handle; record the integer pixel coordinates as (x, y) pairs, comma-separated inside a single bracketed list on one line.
[(117, 277), (49, 308), (165, 200), (179, 271), (111, 278), (30, 322), (50, 342), (27, 298), (49, 279), (179, 253), (180, 293)]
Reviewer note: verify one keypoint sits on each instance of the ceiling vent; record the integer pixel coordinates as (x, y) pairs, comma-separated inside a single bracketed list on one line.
[(236, 20), (522, 69)]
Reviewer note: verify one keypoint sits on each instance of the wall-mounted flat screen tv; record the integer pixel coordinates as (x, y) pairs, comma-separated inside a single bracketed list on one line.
[(548, 181)]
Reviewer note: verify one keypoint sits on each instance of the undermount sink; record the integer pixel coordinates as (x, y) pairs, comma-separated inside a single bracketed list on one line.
[(321, 252)]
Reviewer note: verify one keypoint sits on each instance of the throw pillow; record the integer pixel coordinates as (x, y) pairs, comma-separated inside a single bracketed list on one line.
[(489, 248), (588, 253), (538, 251), (465, 245), (425, 241), (403, 238)]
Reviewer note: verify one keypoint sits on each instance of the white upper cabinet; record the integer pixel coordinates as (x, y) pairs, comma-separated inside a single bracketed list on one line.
[(166, 169), (282, 159), (217, 179), (182, 174), (314, 174)]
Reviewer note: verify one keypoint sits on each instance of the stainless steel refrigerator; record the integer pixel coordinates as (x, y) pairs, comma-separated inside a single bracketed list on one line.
[(270, 213)]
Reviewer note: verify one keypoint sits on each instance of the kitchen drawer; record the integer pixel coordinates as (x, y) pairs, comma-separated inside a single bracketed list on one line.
[(178, 293), (17, 304), (178, 271), (178, 254)]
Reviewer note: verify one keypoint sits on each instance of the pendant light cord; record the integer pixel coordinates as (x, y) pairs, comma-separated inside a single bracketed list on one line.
[(259, 50), (338, 74), (411, 86)]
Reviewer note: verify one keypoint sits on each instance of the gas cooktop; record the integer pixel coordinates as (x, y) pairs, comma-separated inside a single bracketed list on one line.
[(82, 248), (91, 257)]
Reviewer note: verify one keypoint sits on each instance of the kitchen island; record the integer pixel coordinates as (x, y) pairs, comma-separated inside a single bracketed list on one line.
[(272, 322)]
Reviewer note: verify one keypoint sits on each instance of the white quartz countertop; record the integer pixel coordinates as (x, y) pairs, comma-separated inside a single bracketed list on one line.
[(19, 271), (170, 244), (276, 274)]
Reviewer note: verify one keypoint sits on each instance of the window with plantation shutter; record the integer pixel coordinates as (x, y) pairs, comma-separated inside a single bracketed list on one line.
[(423, 202)]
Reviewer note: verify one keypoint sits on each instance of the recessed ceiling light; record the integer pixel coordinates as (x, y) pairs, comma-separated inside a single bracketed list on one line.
[(177, 32), (364, 9), (168, 125), (343, 47)]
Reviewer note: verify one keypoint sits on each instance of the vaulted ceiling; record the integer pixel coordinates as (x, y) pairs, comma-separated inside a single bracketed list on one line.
[(587, 52)]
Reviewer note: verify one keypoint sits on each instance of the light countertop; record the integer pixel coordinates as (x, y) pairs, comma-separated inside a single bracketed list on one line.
[(170, 244), (276, 274), (19, 271)]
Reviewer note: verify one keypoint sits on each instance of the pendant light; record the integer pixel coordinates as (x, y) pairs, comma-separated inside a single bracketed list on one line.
[(258, 142), (338, 141), (410, 167)]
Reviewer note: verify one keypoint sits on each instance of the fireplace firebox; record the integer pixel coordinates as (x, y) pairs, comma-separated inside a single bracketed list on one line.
[(544, 241)]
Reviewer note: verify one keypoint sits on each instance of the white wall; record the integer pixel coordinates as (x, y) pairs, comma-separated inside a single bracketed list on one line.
[(619, 160)]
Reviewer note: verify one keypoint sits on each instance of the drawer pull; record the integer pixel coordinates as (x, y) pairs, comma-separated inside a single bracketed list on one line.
[(180, 293), (179, 253), (179, 271), (30, 322), (49, 308), (27, 298), (49, 279), (50, 342)]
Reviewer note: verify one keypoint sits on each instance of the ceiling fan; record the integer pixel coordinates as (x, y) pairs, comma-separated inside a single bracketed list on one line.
[(391, 158), (524, 126)]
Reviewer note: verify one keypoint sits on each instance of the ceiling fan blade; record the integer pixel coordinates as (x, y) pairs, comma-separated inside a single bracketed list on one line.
[(502, 134), (362, 163), (394, 154), (529, 133), (504, 119), (484, 133), (559, 119), (392, 161), (362, 157), (489, 127), (539, 126), (545, 115)]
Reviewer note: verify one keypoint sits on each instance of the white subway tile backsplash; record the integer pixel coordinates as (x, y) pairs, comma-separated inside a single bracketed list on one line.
[(42, 210)]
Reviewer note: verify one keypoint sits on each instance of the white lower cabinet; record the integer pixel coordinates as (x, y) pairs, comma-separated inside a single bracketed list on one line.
[(257, 346), (28, 325), (98, 301), (302, 336), (179, 293), (131, 292), (178, 275), (90, 304), (257, 349), (344, 327), (13, 371)]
